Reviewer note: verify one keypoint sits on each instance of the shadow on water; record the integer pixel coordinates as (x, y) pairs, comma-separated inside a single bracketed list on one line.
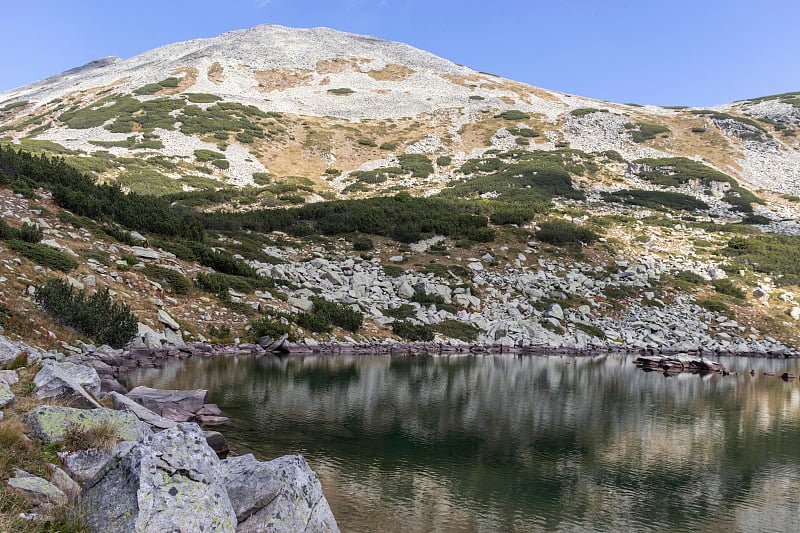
[(506, 443)]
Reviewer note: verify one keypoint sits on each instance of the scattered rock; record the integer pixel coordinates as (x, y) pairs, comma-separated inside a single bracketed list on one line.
[(177, 405), (6, 395), (167, 320), (38, 492)]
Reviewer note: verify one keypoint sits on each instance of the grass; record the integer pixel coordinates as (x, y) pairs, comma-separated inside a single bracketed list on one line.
[(642, 131), (103, 436)]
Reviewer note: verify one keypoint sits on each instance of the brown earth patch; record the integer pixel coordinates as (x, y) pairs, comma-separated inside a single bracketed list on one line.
[(340, 64), (189, 78), (216, 74), (391, 72), (281, 79)]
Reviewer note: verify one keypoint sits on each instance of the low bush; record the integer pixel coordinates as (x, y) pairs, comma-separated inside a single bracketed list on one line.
[(362, 243), (105, 320), (326, 314), (513, 114), (457, 330), (417, 164), (413, 332), (589, 329), (172, 280), (727, 287), (342, 91), (267, 327), (714, 305), (662, 200), (562, 232), (641, 131), (44, 255), (690, 277)]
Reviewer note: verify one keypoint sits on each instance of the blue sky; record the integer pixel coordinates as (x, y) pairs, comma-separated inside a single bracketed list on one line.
[(673, 52)]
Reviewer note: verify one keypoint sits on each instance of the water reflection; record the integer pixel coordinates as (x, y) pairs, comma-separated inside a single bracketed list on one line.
[(504, 443)]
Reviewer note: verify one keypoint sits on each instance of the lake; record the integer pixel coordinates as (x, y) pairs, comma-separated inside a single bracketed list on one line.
[(509, 443)]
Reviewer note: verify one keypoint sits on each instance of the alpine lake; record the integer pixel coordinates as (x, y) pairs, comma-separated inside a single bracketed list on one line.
[(518, 443)]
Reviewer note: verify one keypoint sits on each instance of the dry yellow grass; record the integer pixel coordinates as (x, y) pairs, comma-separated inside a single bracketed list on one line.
[(390, 72), (216, 73), (281, 79)]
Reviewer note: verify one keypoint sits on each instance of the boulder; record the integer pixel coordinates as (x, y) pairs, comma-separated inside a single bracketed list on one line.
[(145, 415), (217, 441), (83, 465), (61, 479), (6, 396), (169, 482), (167, 320), (169, 403), (9, 376), (49, 423), (79, 382), (282, 495), (37, 491), (301, 303)]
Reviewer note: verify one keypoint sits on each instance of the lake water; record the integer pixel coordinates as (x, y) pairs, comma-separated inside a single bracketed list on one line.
[(507, 443)]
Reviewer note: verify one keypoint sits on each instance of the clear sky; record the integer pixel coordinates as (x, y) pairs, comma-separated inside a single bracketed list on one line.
[(673, 52)]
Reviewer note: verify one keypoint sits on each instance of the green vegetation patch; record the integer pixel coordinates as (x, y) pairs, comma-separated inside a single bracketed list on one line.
[(413, 332), (561, 232), (677, 171), (642, 131), (172, 280), (326, 314), (202, 98), (583, 111), (769, 253), (513, 114), (341, 91), (105, 320), (419, 165), (661, 200)]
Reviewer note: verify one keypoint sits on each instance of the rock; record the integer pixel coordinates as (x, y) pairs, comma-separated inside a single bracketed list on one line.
[(67, 379), (163, 402), (111, 384), (156, 421), (6, 396), (211, 420), (396, 259), (83, 465), (217, 441), (170, 482), (794, 312), (61, 479), (38, 492), (167, 320), (145, 253), (174, 338), (49, 423), (211, 409), (301, 303), (9, 376), (282, 495), (555, 311)]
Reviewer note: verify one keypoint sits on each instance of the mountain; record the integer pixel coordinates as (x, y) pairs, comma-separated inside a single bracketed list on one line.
[(478, 207)]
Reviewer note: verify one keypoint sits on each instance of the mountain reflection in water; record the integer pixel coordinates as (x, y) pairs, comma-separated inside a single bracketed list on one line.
[(505, 443)]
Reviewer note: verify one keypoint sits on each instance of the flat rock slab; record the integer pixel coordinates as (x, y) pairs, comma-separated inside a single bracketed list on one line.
[(169, 482), (67, 379), (164, 402), (49, 423), (282, 495), (38, 492)]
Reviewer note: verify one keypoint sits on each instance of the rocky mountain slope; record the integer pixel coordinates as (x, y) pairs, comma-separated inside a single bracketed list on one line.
[(430, 200)]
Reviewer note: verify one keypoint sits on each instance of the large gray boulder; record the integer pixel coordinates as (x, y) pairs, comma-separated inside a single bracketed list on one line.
[(282, 495), (49, 423), (177, 405), (67, 379), (169, 482), (37, 491)]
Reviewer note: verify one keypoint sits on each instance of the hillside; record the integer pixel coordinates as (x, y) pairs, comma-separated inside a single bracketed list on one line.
[(289, 168)]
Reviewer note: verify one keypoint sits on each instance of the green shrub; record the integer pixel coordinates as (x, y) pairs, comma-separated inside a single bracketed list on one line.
[(98, 316), (690, 277), (778, 255), (401, 312), (208, 155), (512, 215), (367, 142), (413, 332), (726, 287), (30, 233), (589, 329), (202, 98), (561, 232), (267, 327), (342, 91), (662, 200), (457, 330), (172, 280), (44, 255), (444, 160), (583, 111), (476, 97), (714, 305), (362, 243), (326, 314), (417, 164), (513, 114), (388, 146), (641, 131)]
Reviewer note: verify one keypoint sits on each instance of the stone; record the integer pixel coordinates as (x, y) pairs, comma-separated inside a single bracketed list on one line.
[(282, 495), (555, 311), (167, 320), (83, 465), (61, 479), (170, 482), (145, 415), (160, 401), (67, 379), (38, 492), (794, 312), (49, 422), (217, 441), (145, 253), (6, 395), (211, 420), (396, 259), (210, 409), (174, 338), (300, 303)]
